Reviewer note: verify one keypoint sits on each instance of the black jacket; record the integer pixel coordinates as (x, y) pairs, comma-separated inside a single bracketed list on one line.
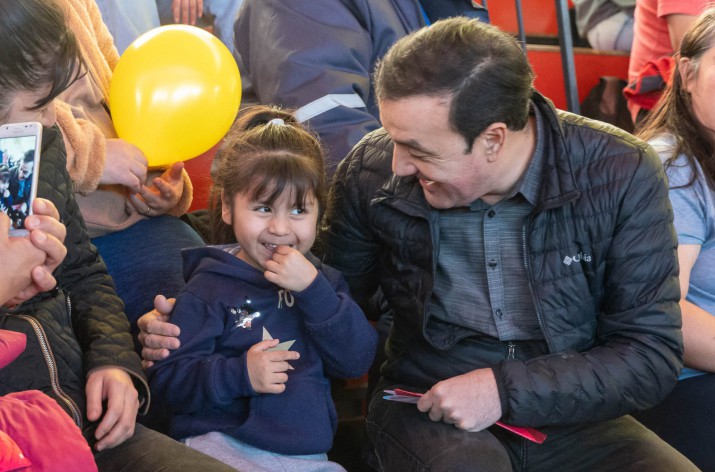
[(81, 324), (600, 250)]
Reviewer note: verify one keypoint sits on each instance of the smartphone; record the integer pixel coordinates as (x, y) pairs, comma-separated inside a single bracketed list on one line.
[(19, 166)]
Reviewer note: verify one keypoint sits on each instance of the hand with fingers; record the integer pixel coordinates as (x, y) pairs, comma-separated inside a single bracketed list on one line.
[(267, 369), (187, 11), (157, 336), (125, 165), (45, 241), (290, 269), (114, 387), (469, 401), (163, 194)]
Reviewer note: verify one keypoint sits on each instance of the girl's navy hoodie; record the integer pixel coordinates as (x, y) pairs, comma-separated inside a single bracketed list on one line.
[(205, 382)]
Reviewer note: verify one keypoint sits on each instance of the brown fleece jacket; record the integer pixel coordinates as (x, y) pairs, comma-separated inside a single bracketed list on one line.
[(83, 116)]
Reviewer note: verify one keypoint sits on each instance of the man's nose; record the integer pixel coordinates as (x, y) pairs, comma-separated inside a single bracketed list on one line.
[(401, 163)]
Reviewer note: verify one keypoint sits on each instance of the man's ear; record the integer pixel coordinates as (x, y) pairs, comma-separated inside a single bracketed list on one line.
[(493, 139), (226, 213)]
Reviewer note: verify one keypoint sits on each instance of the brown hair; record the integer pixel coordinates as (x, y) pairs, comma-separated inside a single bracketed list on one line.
[(38, 50), (481, 69), (674, 112), (265, 154)]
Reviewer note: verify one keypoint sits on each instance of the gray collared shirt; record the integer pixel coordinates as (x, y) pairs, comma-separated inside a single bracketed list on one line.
[(481, 281)]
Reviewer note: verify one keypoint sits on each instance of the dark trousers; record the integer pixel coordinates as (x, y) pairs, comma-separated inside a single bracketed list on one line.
[(685, 420), (406, 439), (149, 451)]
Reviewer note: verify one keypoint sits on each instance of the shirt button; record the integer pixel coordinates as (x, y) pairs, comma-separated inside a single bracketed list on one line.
[(491, 213), (499, 312), (492, 263)]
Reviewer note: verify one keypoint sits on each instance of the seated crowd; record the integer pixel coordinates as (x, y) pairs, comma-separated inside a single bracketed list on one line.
[(532, 285)]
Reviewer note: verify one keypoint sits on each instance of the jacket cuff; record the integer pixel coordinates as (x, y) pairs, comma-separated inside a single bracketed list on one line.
[(501, 389)]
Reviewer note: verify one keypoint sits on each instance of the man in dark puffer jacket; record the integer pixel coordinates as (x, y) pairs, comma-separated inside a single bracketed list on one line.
[(528, 257)]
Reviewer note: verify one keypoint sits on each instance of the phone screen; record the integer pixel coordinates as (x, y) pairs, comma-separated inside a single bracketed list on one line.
[(18, 174)]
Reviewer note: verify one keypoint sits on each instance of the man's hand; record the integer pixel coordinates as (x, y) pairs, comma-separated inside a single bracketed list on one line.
[(113, 385), (290, 269), (47, 235), (163, 194), (125, 164), (469, 401), (267, 369), (187, 11), (157, 336)]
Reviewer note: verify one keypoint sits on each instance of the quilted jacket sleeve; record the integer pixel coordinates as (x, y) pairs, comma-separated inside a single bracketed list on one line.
[(347, 225), (97, 312)]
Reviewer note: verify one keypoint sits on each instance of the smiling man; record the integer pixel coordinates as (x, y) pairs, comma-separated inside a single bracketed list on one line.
[(528, 257)]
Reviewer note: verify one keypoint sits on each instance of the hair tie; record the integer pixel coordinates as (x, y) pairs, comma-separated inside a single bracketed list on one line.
[(277, 121)]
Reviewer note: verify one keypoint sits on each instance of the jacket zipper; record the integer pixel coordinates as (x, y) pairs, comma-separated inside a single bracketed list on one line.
[(52, 367), (530, 278), (512, 348)]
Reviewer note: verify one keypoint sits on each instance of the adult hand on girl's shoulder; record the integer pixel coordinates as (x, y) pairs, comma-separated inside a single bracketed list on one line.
[(267, 369), (290, 269), (163, 194), (156, 335), (125, 164)]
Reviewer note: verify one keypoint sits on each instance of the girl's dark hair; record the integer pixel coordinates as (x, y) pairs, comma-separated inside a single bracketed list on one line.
[(263, 157), (674, 114), (38, 50)]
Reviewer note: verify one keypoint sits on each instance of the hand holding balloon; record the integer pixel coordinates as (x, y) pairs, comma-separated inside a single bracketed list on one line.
[(174, 93), (125, 165), (164, 193)]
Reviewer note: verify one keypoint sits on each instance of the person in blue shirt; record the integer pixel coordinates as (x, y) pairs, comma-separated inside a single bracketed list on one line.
[(681, 128), (263, 323)]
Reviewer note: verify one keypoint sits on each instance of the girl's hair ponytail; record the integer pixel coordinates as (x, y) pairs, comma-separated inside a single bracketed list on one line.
[(266, 153)]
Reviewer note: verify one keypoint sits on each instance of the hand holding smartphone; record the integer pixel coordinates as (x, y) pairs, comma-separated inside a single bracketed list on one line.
[(20, 145)]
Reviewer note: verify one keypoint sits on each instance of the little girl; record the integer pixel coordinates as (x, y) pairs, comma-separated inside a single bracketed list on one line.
[(263, 323)]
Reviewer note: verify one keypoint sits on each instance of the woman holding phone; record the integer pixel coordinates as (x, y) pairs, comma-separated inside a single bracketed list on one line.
[(130, 212)]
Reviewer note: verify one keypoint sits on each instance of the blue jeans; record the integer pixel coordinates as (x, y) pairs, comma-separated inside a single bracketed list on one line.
[(145, 260), (149, 451), (406, 439)]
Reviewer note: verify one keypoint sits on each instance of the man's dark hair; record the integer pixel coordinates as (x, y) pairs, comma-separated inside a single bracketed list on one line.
[(480, 68), (4, 173), (29, 156), (38, 50)]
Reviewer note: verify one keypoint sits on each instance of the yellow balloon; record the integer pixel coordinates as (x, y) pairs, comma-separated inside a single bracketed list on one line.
[(174, 93)]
